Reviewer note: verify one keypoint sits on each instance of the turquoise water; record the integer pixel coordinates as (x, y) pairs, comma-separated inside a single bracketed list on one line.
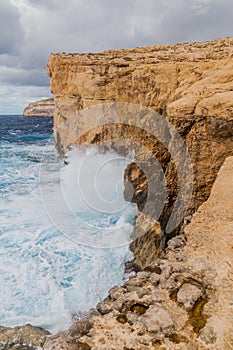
[(56, 262)]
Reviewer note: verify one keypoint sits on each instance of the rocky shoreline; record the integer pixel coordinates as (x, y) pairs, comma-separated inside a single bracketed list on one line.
[(24, 337), (183, 300), (180, 296)]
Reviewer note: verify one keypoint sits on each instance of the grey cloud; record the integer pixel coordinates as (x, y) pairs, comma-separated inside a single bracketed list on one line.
[(96, 25), (11, 30), (82, 27), (8, 60), (88, 26), (21, 77), (197, 21), (47, 4)]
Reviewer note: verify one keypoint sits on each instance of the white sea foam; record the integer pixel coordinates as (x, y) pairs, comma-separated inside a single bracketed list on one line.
[(45, 276)]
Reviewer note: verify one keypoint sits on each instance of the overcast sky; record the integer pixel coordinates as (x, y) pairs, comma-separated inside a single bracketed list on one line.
[(31, 29)]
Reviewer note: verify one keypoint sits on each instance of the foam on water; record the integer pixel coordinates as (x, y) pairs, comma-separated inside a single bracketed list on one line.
[(46, 277)]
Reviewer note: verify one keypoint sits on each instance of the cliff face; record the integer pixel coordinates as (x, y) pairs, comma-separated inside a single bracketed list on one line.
[(191, 85), (43, 108)]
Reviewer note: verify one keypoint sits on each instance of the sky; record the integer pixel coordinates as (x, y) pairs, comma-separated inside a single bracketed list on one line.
[(31, 29)]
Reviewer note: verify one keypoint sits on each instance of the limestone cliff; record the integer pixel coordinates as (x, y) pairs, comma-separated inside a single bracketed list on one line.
[(181, 299), (191, 85), (43, 108)]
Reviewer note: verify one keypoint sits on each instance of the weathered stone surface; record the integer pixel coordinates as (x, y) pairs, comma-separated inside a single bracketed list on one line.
[(188, 294), (176, 242), (22, 338), (43, 108), (209, 251), (189, 84)]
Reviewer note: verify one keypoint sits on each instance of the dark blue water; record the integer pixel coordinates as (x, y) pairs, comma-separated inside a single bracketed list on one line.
[(28, 130)]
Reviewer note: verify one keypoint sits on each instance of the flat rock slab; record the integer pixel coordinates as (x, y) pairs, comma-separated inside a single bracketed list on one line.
[(210, 251)]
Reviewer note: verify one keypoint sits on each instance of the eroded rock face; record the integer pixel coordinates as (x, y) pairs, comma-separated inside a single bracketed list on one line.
[(24, 337), (180, 301), (43, 108), (142, 314), (189, 84)]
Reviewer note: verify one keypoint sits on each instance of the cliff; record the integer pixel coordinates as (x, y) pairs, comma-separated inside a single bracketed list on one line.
[(190, 85), (181, 296), (43, 108)]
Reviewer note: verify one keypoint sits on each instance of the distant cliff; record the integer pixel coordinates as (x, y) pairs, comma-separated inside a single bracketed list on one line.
[(43, 108)]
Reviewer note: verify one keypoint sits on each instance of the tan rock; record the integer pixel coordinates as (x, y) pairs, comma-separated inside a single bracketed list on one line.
[(158, 320), (155, 76), (191, 288), (22, 337), (220, 103), (209, 251), (189, 84), (188, 295)]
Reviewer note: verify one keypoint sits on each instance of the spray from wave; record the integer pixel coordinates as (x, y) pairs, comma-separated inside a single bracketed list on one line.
[(92, 209), (55, 266)]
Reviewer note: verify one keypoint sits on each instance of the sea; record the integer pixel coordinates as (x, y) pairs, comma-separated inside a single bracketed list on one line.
[(64, 226)]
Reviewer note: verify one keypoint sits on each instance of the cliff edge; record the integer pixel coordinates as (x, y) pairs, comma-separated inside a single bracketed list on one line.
[(190, 85), (43, 108)]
